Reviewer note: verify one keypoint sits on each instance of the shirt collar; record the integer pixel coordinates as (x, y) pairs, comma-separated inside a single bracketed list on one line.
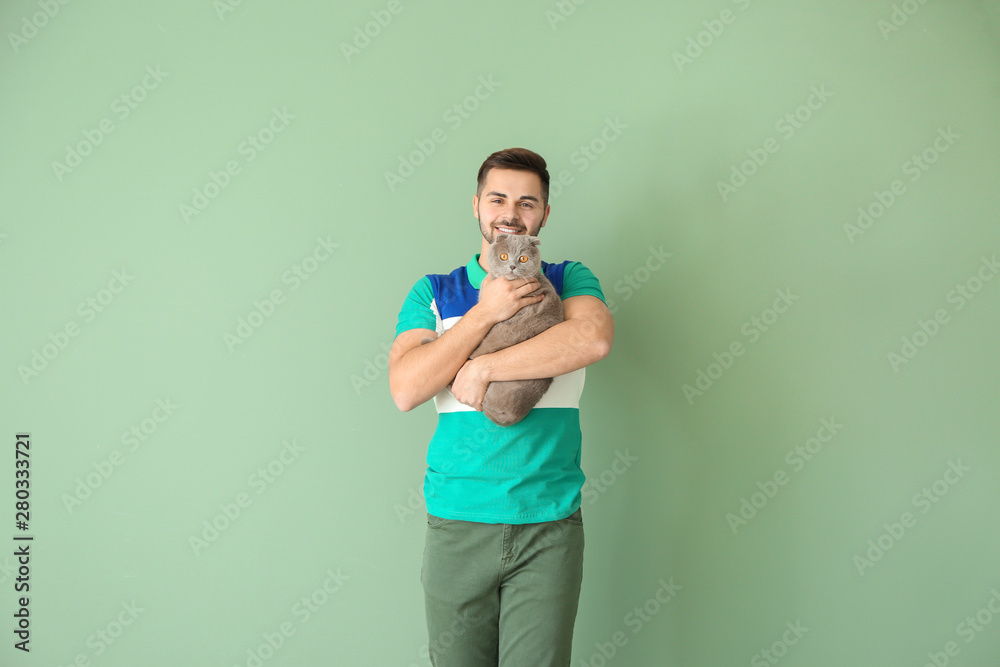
[(475, 272)]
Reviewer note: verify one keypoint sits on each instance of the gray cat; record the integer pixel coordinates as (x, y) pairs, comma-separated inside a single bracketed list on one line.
[(513, 256)]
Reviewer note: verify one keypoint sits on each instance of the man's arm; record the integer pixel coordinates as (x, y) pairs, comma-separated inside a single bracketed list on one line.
[(584, 338), (418, 372)]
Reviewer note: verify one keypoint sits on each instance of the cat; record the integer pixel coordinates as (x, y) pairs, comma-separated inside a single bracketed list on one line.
[(513, 257)]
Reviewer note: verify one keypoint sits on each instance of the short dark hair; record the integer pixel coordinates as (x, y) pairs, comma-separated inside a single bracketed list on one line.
[(516, 158)]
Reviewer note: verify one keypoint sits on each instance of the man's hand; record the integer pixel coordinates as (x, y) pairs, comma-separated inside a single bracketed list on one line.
[(469, 385), (501, 298)]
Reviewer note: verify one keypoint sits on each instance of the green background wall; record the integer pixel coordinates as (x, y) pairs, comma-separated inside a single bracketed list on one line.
[(739, 138)]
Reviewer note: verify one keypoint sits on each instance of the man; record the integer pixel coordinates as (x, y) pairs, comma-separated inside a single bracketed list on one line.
[(503, 560)]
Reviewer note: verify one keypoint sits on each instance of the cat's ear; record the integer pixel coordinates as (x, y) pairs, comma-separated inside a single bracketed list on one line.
[(500, 236), (534, 240)]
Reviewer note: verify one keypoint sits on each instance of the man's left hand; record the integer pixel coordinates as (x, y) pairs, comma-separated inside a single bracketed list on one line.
[(469, 385)]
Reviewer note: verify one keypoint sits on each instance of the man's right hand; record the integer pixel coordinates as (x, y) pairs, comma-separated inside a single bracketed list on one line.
[(500, 298)]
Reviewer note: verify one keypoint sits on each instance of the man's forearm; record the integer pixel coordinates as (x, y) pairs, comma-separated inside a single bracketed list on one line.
[(427, 369), (560, 349)]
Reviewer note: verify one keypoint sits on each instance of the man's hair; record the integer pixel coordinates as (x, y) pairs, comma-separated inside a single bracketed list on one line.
[(516, 158)]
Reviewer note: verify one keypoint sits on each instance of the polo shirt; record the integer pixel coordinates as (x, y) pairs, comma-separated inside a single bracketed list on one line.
[(528, 472)]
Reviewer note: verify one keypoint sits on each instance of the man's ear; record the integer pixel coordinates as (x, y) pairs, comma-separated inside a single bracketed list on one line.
[(475, 206)]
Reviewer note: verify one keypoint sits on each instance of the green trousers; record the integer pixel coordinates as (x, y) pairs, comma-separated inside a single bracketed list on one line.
[(501, 594)]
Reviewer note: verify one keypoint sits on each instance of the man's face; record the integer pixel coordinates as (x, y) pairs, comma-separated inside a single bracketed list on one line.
[(511, 203)]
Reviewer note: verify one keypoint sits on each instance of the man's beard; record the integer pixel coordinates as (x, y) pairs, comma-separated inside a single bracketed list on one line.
[(489, 233)]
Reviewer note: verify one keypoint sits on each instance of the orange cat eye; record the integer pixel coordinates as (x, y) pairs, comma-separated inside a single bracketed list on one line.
[(503, 256), (523, 259)]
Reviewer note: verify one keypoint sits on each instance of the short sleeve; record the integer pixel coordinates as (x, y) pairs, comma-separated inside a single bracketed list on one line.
[(417, 311), (578, 280)]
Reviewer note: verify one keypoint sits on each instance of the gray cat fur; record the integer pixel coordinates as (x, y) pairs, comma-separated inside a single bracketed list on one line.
[(508, 402)]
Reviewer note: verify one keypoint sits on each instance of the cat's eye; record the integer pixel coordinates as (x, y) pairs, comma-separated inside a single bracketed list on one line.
[(503, 257), (522, 259)]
